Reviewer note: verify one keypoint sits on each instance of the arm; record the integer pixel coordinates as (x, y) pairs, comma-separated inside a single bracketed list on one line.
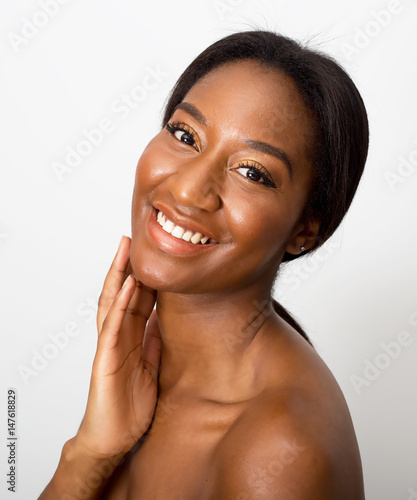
[(123, 386), (79, 475), (292, 472), (282, 462)]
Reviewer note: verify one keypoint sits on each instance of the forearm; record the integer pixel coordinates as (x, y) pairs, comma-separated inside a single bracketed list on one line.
[(78, 475)]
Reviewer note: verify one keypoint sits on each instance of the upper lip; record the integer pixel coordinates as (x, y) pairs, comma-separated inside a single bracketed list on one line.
[(184, 223)]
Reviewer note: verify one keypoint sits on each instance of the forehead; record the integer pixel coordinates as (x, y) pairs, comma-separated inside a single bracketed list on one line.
[(256, 101)]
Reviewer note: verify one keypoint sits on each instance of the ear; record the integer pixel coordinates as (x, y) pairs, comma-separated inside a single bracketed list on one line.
[(304, 235)]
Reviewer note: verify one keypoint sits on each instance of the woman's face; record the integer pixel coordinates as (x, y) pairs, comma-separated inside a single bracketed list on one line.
[(235, 164)]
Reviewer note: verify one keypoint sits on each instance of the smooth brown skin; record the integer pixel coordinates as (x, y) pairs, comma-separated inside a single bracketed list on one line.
[(242, 413)]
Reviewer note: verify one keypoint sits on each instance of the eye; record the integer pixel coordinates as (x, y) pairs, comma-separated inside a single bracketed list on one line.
[(183, 133), (256, 173)]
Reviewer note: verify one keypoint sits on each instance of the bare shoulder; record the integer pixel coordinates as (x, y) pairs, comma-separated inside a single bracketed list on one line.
[(288, 449), (294, 441)]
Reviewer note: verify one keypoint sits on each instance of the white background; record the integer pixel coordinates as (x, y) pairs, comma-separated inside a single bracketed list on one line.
[(57, 238)]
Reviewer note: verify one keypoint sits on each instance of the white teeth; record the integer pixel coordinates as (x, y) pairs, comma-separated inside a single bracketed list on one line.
[(168, 226), (179, 232), (187, 235), (196, 238), (161, 218)]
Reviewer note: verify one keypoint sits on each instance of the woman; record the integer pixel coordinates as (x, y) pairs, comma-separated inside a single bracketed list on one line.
[(216, 394)]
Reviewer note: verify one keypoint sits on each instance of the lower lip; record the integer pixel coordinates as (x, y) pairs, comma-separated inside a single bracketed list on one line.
[(170, 243)]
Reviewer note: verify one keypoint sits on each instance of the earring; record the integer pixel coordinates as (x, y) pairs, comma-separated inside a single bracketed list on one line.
[(302, 249)]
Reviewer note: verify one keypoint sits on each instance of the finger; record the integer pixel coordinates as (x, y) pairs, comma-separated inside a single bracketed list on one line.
[(129, 269), (152, 346), (138, 312), (114, 280), (114, 319), (142, 301)]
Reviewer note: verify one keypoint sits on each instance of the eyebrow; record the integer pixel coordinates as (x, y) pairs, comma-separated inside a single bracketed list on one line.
[(263, 147), (193, 111)]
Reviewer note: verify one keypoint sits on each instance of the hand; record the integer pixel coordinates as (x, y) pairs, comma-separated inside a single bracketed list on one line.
[(123, 388)]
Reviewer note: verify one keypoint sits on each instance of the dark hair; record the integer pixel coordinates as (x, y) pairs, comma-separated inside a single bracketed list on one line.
[(342, 134)]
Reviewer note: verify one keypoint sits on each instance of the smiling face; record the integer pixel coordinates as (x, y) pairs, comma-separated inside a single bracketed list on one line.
[(234, 163)]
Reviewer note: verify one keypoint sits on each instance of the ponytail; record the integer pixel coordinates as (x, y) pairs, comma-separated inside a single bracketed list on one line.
[(286, 316)]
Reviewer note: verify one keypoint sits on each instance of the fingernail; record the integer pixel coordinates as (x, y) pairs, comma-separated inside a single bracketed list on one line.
[(120, 243), (127, 280)]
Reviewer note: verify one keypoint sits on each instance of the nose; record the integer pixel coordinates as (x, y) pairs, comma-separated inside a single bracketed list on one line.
[(197, 182)]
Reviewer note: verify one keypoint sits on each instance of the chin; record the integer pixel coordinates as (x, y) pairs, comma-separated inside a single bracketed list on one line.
[(152, 277), (166, 279), (152, 269), (147, 275)]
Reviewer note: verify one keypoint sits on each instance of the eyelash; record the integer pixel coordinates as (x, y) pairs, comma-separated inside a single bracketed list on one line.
[(174, 127), (261, 171)]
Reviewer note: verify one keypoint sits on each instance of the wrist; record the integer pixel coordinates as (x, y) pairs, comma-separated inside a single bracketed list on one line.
[(75, 451), (80, 474)]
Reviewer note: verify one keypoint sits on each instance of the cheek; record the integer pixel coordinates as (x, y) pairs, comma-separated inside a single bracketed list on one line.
[(148, 170), (153, 165), (262, 226)]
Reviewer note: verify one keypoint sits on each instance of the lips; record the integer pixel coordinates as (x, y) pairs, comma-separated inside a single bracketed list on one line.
[(172, 244), (181, 228)]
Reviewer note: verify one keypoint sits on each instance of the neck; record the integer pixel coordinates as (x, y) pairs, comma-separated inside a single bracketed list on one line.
[(211, 344)]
